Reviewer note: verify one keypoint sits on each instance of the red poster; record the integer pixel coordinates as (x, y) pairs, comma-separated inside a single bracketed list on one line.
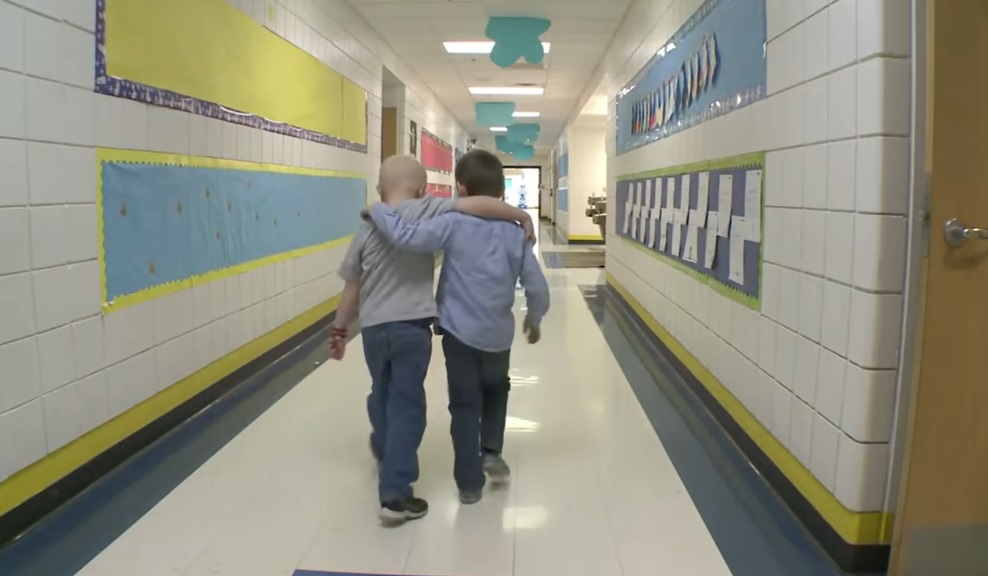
[(440, 190), (436, 154)]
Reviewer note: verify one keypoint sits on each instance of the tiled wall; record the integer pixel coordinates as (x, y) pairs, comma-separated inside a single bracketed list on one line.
[(65, 368), (817, 365)]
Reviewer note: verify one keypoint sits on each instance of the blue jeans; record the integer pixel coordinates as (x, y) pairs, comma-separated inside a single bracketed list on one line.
[(478, 384), (397, 355)]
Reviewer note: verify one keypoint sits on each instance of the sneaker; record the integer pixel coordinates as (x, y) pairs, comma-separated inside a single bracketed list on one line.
[(496, 468), (471, 497), (398, 511)]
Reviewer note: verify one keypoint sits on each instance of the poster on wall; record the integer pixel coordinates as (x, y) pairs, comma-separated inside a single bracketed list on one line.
[(437, 154), (413, 135), (144, 52), (704, 219), (713, 65), (439, 190)]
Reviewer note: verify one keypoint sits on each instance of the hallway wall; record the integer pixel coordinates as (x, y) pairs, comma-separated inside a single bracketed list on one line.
[(815, 367), (586, 174), (68, 369)]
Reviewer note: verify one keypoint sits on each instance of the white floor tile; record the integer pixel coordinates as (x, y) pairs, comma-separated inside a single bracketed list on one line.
[(593, 492)]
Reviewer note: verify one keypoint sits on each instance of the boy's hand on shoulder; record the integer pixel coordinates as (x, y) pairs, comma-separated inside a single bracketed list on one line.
[(529, 226), (534, 333)]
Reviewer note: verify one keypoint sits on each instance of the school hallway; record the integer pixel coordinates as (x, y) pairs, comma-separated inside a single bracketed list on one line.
[(763, 355), (609, 478)]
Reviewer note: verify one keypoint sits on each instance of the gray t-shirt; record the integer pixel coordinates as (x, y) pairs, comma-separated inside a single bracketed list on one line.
[(395, 284)]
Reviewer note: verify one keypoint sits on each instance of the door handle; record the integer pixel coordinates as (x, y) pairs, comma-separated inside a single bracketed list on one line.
[(956, 233)]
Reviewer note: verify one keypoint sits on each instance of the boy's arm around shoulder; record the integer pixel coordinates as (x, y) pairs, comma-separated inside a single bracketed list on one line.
[(496, 209), (422, 236)]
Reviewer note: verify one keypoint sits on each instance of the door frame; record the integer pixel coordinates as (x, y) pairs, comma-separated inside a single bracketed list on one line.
[(917, 249)]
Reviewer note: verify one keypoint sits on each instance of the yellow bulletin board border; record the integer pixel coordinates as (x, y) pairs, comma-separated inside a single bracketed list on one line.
[(116, 155), (350, 128)]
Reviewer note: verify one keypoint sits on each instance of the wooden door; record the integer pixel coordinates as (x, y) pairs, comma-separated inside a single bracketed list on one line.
[(942, 517), (389, 132)]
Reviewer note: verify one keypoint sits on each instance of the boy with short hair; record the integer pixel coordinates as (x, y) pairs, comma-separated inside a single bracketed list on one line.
[(394, 291), (483, 260)]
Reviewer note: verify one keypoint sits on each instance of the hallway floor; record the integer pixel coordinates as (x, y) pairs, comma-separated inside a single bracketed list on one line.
[(603, 483)]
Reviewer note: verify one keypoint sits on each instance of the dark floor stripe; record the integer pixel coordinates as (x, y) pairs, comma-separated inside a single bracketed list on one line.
[(78, 531), (753, 529)]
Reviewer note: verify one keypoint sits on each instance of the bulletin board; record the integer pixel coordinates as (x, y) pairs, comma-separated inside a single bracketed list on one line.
[(437, 154), (439, 190), (705, 219), (206, 57)]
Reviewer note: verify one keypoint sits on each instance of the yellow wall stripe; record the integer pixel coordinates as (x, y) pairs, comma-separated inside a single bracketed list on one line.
[(854, 527), (211, 51), (37, 477)]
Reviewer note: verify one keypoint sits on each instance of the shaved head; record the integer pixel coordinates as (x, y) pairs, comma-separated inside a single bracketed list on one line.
[(402, 177)]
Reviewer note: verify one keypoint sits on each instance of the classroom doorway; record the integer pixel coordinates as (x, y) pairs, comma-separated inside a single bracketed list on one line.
[(522, 186)]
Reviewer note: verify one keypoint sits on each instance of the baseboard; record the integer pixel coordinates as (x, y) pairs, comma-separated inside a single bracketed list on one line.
[(32, 494), (856, 542)]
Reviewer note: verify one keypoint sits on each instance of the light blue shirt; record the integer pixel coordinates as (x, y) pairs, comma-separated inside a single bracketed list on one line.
[(482, 262)]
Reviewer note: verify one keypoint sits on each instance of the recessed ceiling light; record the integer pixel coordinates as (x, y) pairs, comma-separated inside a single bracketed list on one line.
[(499, 129), (506, 90), (476, 47), (526, 114)]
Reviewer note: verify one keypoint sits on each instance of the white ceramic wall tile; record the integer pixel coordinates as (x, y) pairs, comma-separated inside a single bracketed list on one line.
[(877, 238), (836, 317), (829, 398), (12, 37), (13, 172), (22, 433), (56, 358), (842, 16), (874, 319), (835, 131), (807, 369), (868, 404), (67, 360), (861, 474), (14, 231), (823, 452)]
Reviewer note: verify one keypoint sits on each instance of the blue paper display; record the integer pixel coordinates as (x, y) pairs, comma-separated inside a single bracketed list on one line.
[(166, 223), (713, 65), (667, 186)]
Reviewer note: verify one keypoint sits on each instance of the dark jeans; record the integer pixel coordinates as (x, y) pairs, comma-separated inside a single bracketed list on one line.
[(478, 404), (397, 355)]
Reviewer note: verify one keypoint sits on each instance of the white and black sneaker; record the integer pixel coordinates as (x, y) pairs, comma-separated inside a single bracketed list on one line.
[(399, 511)]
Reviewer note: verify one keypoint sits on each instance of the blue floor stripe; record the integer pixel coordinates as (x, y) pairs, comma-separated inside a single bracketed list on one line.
[(753, 529), (80, 530)]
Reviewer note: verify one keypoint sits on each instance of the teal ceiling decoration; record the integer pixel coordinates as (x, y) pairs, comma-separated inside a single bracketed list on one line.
[(517, 150), (524, 133), (494, 113), (516, 37)]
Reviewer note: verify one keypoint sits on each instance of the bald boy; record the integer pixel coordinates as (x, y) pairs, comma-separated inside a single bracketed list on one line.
[(394, 292)]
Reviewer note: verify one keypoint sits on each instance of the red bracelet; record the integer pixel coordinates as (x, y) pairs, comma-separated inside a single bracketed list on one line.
[(338, 332)]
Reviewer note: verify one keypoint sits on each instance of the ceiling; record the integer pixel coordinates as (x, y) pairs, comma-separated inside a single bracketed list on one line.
[(579, 35)]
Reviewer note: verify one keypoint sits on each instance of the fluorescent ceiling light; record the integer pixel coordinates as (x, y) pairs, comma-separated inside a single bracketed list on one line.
[(476, 47), (499, 129), (506, 90), (526, 114)]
